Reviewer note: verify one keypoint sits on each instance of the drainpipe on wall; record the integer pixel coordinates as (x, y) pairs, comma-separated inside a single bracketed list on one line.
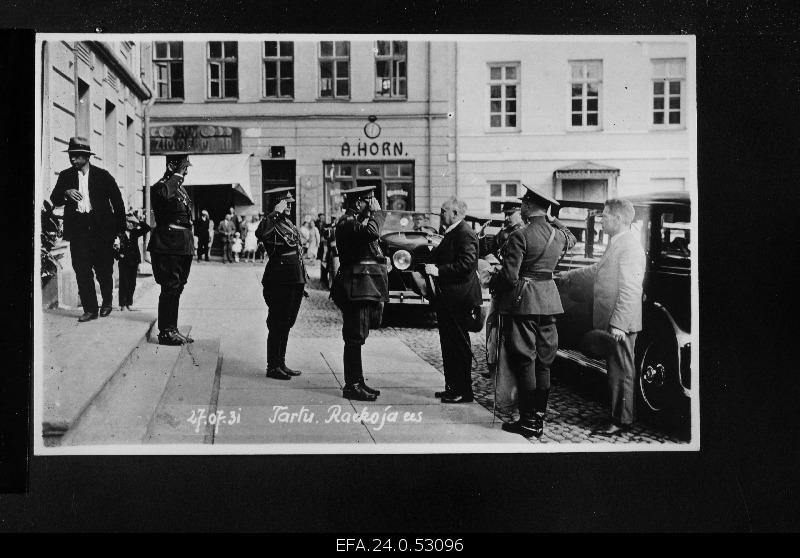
[(430, 173), (146, 150), (455, 112)]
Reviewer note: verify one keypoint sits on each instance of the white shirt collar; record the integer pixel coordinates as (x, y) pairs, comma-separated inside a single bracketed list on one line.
[(454, 225), (616, 236)]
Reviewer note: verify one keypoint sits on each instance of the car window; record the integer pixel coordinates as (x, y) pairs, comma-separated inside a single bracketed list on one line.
[(675, 239), (404, 221)]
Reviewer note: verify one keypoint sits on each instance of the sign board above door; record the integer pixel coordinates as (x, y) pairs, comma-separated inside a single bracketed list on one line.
[(195, 139)]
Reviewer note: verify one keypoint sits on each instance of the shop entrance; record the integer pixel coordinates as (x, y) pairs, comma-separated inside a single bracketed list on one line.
[(277, 173), (393, 181), (216, 199)]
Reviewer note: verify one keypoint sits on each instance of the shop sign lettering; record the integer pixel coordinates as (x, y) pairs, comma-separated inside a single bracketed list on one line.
[(383, 149), (195, 139)]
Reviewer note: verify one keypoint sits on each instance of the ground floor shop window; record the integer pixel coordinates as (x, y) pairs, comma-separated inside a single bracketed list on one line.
[(393, 181)]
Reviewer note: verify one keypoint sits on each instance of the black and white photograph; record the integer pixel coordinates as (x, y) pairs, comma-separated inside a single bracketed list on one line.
[(364, 243)]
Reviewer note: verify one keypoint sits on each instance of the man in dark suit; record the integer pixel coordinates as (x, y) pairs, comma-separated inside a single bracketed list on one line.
[(284, 279), (171, 245), (93, 217), (527, 299), (226, 231), (361, 285), (456, 265)]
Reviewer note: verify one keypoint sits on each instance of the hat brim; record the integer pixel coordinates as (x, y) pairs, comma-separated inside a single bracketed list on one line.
[(79, 151)]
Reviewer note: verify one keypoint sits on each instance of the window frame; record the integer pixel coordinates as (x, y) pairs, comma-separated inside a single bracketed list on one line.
[(392, 58), (667, 79), (277, 60), (503, 83), (585, 81), (334, 59), (504, 197), (221, 79), (168, 61)]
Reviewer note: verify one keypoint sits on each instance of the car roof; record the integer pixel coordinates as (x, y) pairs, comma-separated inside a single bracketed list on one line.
[(653, 198)]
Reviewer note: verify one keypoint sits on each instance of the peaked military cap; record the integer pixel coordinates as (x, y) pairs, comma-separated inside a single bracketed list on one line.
[(178, 157), (538, 196), (511, 207), (361, 192), (282, 193), (79, 144)]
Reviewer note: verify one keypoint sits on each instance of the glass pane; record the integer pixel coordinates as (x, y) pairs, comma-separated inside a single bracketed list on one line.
[(287, 48), (511, 72), (658, 103), (287, 87), (177, 89), (400, 68), (342, 48), (405, 169), (495, 72), (343, 69), (401, 90), (287, 69), (231, 88), (592, 90), (231, 70), (577, 105), (163, 90), (342, 87), (511, 106), (177, 70), (511, 91), (326, 48), (675, 87), (658, 118), (591, 105), (658, 87), (576, 120), (383, 48), (577, 71), (383, 86), (494, 121), (382, 69), (675, 117), (511, 121), (494, 106), (176, 49), (495, 190), (391, 170), (495, 207), (577, 90), (215, 49), (230, 49), (511, 190), (369, 170), (400, 47), (215, 89), (271, 89), (591, 119), (270, 48), (674, 102), (161, 50), (326, 69), (494, 91), (214, 71), (270, 70)]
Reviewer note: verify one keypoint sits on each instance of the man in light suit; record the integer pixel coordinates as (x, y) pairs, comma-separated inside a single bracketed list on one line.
[(617, 307), (455, 265)]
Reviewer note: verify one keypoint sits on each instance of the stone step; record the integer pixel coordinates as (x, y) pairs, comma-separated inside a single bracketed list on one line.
[(190, 398), (78, 359), (121, 412)]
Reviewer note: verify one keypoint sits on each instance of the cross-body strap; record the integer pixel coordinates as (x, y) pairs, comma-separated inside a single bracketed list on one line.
[(530, 262)]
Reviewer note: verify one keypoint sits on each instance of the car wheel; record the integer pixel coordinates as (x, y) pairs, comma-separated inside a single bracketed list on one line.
[(657, 379)]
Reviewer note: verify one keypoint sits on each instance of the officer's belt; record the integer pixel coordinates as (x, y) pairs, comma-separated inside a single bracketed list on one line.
[(292, 253), (536, 275), (363, 262), (177, 227)]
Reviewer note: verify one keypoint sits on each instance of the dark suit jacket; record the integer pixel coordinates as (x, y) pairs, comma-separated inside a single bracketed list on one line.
[(457, 260), (108, 210)]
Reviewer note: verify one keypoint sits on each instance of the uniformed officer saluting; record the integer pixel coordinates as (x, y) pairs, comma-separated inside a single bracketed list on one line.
[(513, 222), (527, 299), (283, 281), (361, 285), (171, 245)]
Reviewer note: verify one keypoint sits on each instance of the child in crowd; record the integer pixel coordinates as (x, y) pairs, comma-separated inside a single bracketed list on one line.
[(237, 246)]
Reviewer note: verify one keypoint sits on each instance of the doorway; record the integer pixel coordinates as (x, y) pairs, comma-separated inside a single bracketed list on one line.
[(216, 199), (277, 173)]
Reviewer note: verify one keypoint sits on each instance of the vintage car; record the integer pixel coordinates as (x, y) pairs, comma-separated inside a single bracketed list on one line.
[(662, 353)]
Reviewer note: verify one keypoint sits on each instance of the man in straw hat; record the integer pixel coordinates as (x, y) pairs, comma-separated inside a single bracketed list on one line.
[(94, 215), (361, 285), (527, 300), (171, 245), (284, 279)]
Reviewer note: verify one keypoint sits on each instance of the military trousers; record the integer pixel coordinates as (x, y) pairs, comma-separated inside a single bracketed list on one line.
[(171, 272), (528, 348), (357, 319), (283, 302)]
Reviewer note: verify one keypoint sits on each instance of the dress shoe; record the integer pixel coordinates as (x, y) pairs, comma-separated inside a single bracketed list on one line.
[(121, 308), (277, 374), (440, 394), (611, 430), (105, 311), (368, 389), (130, 308), (170, 337), (185, 338), (290, 371), (457, 398), (88, 316), (355, 391)]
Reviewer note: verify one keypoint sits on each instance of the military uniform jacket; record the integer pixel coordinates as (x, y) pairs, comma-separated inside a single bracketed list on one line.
[(502, 238), (524, 284), (362, 269), (281, 240), (108, 210), (171, 206)]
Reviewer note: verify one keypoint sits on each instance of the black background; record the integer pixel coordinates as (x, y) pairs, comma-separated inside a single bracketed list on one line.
[(744, 478)]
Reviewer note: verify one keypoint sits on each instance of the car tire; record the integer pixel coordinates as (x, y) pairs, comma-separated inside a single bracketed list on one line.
[(657, 382)]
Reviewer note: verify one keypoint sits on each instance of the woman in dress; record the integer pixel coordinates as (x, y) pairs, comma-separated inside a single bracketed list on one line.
[(250, 241)]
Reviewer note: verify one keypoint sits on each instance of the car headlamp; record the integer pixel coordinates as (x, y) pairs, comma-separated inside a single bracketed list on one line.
[(402, 259)]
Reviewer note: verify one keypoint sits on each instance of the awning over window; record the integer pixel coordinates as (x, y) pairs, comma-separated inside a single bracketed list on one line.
[(207, 170), (586, 169)]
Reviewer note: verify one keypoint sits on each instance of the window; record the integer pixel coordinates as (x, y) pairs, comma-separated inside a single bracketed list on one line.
[(169, 70), (668, 79), (334, 69), (501, 192), (675, 240), (278, 69), (585, 81), (503, 95), (394, 183), (390, 69), (223, 70)]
